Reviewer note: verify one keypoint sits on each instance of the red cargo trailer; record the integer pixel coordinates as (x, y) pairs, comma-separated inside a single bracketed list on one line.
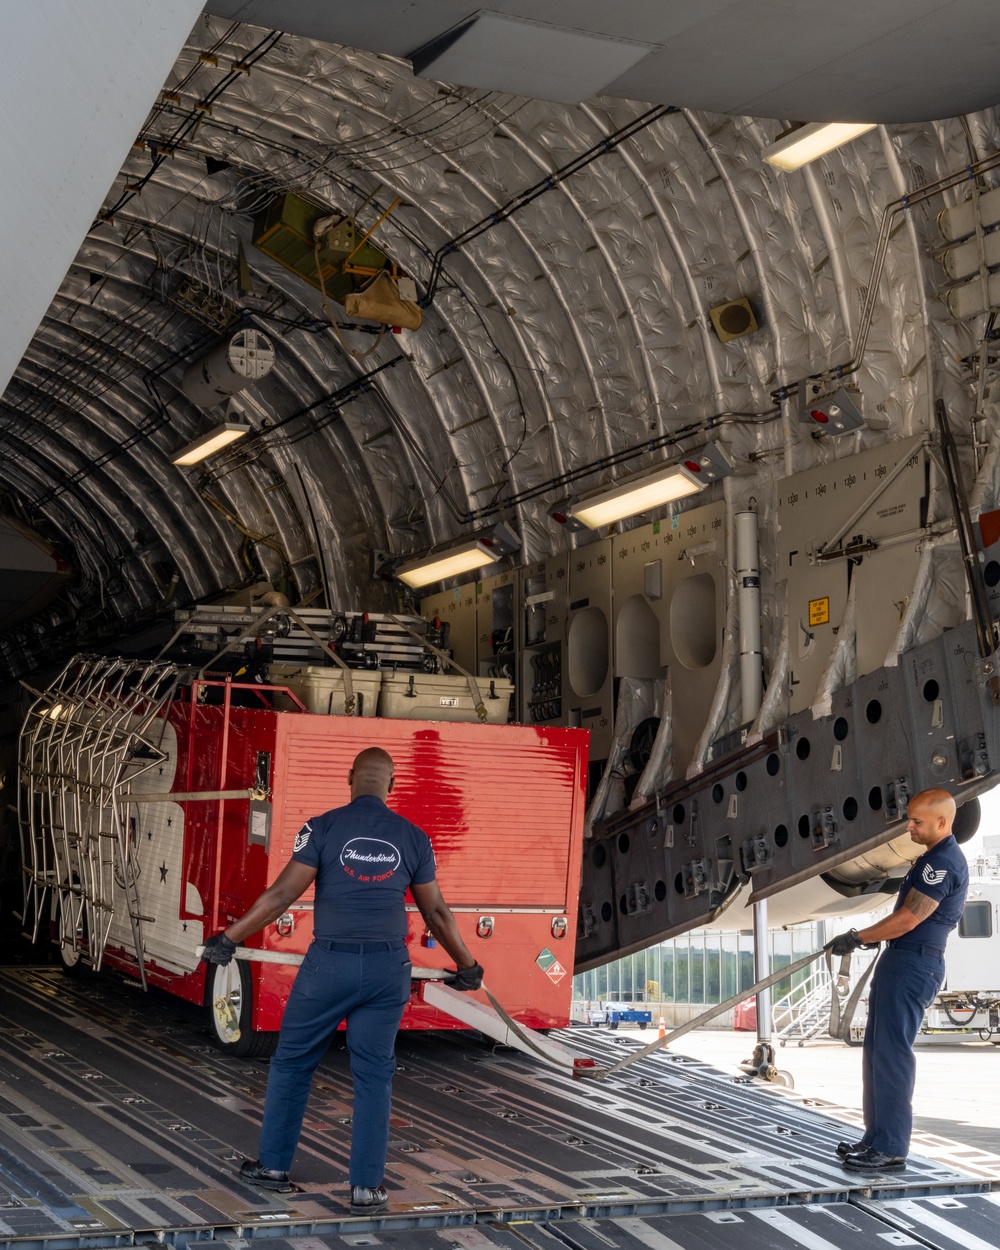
[(173, 809)]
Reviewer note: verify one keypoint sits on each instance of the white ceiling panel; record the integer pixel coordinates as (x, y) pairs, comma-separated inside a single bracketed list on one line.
[(808, 60)]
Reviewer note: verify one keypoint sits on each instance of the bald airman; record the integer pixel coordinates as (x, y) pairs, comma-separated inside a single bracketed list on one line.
[(908, 975), (362, 858)]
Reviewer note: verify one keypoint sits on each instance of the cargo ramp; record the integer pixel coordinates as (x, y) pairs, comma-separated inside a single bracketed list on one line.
[(121, 1125)]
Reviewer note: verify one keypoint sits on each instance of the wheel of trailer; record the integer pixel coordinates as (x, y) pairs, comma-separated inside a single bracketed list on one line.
[(643, 1023), (229, 1004), (71, 957)]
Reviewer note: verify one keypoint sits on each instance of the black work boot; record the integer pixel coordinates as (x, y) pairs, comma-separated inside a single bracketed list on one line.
[(366, 1201), (872, 1160), (252, 1171)]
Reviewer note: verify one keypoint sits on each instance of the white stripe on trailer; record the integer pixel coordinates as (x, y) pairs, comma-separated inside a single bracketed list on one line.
[(252, 955)]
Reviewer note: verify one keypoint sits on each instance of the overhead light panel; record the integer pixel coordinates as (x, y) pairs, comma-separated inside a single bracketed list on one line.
[(652, 490), (798, 147), (632, 497), (451, 563), (217, 438)]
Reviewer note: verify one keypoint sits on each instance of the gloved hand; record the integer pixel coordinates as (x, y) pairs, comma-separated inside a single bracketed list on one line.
[(845, 943), (467, 978), (218, 950)]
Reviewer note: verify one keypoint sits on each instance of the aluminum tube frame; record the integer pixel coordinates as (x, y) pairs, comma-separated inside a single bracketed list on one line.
[(748, 602)]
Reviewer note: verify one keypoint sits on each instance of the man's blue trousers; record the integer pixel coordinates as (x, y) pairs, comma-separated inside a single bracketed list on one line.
[(367, 984), (905, 983)]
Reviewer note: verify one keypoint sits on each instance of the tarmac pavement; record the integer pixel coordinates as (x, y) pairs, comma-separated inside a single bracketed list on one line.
[(957, 1093)]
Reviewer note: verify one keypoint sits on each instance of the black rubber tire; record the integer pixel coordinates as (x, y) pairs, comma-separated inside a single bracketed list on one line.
[(967, 820), (234, 981)]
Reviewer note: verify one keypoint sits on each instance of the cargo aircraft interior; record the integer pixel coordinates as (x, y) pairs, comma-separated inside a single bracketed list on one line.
[(598, 407)]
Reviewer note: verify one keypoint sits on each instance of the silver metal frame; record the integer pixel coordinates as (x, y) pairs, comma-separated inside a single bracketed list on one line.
[(85, 740)]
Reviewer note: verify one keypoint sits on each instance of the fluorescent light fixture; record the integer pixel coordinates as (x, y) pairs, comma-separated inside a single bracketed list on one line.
[(436, 567), (807, 143), (217, 438), (673, 481), (628, 498)]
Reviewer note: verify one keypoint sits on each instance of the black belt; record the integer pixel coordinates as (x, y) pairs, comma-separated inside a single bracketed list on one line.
[(922, 948), (359, 948)]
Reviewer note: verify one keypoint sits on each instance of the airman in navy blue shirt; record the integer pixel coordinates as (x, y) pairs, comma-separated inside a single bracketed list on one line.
[(908, 976), (363, 858)]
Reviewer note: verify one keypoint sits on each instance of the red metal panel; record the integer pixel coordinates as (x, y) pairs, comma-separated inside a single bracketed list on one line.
[(503, 806), (498, 801)]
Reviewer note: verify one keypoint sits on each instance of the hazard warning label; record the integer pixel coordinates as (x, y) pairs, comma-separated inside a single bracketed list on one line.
[(551, 966), (819, 611)]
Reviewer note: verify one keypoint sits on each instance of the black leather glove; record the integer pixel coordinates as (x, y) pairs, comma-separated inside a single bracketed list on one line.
[(467, 978), (845, 943), (218, 950)]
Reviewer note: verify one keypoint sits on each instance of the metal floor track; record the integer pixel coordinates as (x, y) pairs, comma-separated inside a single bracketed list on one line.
[(120, 1125)]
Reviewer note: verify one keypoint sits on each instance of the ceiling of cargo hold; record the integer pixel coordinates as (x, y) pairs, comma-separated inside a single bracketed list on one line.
[(590, 288)]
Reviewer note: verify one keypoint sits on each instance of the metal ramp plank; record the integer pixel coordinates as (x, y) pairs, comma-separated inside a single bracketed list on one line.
[(120, 1123), (944, 1222), (838, 1226)]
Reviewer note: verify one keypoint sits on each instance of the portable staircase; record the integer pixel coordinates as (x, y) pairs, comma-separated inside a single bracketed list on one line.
[(805, 1013), (810, 1011)]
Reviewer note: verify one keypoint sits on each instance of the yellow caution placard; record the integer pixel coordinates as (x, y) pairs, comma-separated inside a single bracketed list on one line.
[(819, 611)]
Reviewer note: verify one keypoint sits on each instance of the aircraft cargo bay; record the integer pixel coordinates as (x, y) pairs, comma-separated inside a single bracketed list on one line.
[(593, 413)]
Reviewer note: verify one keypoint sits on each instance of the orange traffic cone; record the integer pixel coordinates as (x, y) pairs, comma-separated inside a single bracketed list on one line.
[(663, 1027)]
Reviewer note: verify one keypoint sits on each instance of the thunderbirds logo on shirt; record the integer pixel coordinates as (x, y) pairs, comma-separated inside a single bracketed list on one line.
[(370, 859), (302, 838), (933, 876)]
